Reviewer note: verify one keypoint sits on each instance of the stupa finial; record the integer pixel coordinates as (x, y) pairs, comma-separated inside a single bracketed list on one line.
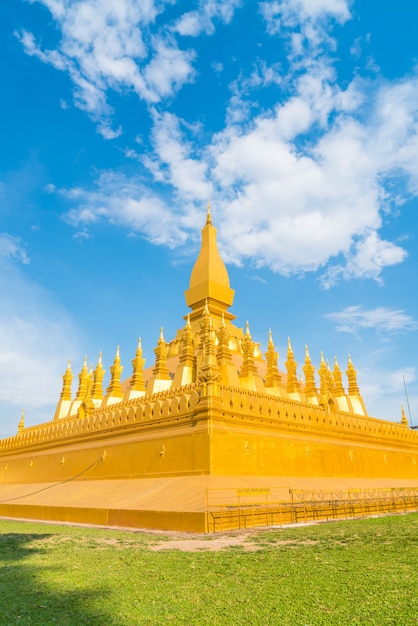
[(98, 375), (353, 388), (83, 378), (310, 385), (115, 388), (273, 376), (22, 422), (67, 380), (209, 279), (137, 380)]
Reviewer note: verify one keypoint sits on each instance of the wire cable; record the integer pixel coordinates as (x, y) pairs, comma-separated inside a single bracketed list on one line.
[(67, 480)]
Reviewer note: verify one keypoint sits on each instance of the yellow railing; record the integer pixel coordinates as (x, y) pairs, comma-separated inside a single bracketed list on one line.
[(307, 506)]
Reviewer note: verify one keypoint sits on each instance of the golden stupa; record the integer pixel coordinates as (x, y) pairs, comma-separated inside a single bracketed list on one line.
[(213, 430)]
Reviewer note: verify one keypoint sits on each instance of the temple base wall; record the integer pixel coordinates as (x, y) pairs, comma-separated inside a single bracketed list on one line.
[(257, 452)]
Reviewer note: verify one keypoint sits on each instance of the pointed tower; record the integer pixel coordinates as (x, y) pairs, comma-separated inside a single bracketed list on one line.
[(98, 375), (324, 387), (311, 392), (248, 375), (273, 383), (354, 397), (292, 386), (186, 370), (227, 368), (160, 379), (21, 425), (137, 385), (114, 392), (83, 379), (208, 373), (64, 403), (209, 280), (404, 420)]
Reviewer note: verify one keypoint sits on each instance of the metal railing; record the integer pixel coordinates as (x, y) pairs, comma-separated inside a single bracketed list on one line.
[(305, 507)]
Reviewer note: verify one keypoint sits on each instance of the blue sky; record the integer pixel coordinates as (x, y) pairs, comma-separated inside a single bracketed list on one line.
[(297, 118)]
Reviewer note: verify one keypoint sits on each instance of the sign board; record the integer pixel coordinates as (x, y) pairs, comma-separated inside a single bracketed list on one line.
[(255, 491)]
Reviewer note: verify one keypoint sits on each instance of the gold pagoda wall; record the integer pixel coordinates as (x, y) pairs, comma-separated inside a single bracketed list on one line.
[(231, 433)]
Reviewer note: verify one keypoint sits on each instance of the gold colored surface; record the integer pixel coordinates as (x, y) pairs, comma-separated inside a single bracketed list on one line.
[(211, 414)]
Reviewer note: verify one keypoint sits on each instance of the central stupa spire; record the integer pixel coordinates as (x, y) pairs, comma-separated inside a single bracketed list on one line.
[(209, 280)]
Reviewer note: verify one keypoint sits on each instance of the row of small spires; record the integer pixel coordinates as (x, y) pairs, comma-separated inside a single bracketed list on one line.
[(91, 381)]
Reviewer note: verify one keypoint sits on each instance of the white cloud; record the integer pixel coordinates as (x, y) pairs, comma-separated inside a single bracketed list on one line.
[(316, 172), (12, 247), (128, 203), (169, 68), (106, 45), (382, 320), (305, 23), (385, 391), (37, 337), (202, 20), (174, 161)]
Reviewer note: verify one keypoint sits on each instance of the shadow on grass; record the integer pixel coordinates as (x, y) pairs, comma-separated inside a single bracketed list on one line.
[(25, 596)]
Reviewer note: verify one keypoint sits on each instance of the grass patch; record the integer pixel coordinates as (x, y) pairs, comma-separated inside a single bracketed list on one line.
[(356, 572)]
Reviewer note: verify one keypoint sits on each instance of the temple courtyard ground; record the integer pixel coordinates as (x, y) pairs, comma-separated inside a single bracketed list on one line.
[(360, 571)]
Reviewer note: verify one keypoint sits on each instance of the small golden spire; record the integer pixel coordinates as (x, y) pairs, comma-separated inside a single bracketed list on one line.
[(273, 376), (353, 388), (186, 354), (83, 379), (208, 217), (115, 388), (309, 371), (248, 365), (22, 422), (338, 381), (98, 375), (223, 353), (404, 421), (137, 380), (67, 380), (160, 370), (292, 385), (324, 381)]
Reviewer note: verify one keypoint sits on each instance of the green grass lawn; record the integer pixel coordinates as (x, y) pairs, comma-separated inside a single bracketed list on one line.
[(355, 572)]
